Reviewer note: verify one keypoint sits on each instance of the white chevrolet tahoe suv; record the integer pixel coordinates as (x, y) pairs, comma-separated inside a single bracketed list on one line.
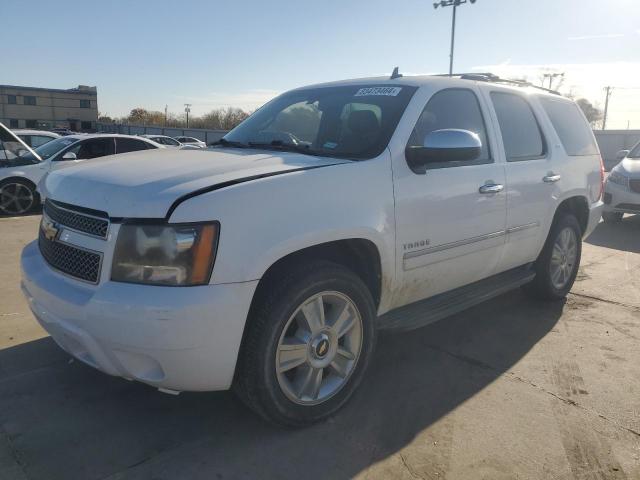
[(268, 262)]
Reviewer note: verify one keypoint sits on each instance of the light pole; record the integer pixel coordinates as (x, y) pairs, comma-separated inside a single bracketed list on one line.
[(606, 107), (187, 109), (551, 76), (455, 4)]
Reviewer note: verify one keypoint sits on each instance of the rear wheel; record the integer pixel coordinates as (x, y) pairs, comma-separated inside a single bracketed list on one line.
[(612, 217), (308, 342), (557, 265), (17, 197)]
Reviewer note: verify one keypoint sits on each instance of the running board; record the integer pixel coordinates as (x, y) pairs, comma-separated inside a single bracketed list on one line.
[(424, 312)]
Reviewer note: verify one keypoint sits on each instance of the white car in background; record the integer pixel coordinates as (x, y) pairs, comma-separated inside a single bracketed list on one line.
[(191, 141), (622, 189), (22, 169), (35, 138), (169, 142)]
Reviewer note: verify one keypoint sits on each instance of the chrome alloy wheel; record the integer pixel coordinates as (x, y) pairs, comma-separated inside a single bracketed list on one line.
[(15, 198), (319, 348), (563, 258)]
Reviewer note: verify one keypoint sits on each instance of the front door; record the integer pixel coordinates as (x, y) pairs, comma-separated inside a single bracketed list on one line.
[(448, 233)]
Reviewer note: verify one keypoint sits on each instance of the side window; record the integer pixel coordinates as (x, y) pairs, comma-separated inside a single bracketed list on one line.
[(452, 108), (37, 140), (130, 145), (571, 126), (521, 134), (95, 148)]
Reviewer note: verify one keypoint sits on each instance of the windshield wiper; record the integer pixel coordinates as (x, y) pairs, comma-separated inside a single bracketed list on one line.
[(286, 147), (229, 143)]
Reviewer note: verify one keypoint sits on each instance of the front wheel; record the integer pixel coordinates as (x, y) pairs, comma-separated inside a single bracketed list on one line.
[(557, 265), (17, 197), (308, 342)]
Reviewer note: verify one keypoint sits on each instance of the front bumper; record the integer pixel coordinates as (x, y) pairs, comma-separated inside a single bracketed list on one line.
[(176, 338), (619, 198)]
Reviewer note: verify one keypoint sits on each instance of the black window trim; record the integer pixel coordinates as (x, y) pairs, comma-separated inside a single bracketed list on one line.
[(545, 145), (439, 165)]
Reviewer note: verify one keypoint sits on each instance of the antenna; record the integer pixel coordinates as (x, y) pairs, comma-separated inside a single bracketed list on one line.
[(395, 74)]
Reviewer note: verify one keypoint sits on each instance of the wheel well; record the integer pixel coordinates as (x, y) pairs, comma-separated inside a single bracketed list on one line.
[(358, 255), (578, 207), (21, 179)]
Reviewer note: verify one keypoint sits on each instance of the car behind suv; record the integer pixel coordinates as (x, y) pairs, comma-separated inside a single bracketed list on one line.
[(269, 262), (622, 189)]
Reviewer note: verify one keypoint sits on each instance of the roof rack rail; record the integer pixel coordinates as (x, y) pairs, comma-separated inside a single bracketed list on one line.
[(490, 77)]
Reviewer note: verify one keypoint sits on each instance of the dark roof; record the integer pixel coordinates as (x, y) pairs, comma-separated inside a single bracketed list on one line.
[(57, 90)]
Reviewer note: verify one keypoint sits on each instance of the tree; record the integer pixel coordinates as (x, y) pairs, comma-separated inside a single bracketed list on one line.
[(593, 114)]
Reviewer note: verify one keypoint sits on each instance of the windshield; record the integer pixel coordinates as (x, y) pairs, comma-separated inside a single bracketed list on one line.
[(354, 122), (51, 148), (635, 152)]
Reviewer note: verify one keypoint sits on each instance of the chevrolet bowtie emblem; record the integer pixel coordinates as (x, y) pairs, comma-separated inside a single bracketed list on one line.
[(49, 228)]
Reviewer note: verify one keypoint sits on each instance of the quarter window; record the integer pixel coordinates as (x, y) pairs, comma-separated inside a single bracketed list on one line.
[(520, 130), (452, 108), (571, 126)]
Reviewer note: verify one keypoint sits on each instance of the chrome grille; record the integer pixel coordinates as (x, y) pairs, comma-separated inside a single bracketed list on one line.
[(73, 261), (77, 221), (635, 185)]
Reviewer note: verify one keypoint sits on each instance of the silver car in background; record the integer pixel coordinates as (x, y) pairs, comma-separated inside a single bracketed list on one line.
[(622, 189)]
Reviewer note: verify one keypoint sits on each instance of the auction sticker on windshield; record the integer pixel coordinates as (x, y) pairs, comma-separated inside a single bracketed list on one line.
[(385, 91)]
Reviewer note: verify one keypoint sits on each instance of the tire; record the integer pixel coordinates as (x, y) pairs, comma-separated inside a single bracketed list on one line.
[(17, 197), (283, 397), (612, 217), (547, 284)]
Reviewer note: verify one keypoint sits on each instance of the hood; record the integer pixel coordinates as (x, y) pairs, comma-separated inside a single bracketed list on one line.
[(145, 184), (630, 167)]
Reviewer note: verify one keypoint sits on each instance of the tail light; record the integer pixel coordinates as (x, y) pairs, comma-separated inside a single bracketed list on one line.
[(601, 178)]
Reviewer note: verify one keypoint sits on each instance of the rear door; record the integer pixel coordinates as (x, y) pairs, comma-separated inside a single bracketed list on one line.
[(448, 233), (529, 175)]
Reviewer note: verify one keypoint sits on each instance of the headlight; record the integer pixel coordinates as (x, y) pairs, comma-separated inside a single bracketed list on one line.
[(618, 179), (178, 254)]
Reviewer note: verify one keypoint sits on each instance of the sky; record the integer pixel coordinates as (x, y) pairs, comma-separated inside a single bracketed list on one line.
[(242, 53)]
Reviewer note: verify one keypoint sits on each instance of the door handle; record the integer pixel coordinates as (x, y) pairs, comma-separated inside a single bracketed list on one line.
[(551, 178), (491, 188)]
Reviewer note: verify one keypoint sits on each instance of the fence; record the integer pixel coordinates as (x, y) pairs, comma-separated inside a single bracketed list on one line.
[(612, 141), (207, 136), (609, 141)]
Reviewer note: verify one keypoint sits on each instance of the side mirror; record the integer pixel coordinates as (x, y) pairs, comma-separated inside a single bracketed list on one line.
[(69, 156), (447, 145), (622, 154)]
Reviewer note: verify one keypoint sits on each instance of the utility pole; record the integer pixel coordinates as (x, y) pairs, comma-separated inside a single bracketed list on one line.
[(606, 107), (455, 4), (187, 109), (551, 76)]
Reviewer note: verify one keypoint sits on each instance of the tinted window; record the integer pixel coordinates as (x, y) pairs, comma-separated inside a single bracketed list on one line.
[(571, 126), (98, 147), (520, 131), (130, 145), (38, 140), (452, 108)]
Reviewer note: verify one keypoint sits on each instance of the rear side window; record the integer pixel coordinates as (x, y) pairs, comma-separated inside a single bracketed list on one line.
[(572, 128), (95, 148), (520, 130), (130, 145)]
